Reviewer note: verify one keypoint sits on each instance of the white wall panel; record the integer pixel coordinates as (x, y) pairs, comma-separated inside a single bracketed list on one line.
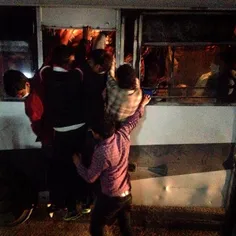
[(160, 125), (79, 17), (15, 130), (207, 189), (185, 125)]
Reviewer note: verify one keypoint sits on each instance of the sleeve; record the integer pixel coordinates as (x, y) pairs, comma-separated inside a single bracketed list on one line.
[(132, 121), (34, 110), (111, 82), (98, 165), (82, 51)]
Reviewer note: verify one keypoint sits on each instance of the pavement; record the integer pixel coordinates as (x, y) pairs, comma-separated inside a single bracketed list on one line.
[(148, 221)]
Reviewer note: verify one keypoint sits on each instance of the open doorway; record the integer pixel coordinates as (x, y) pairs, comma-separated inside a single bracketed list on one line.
[(96, 38)]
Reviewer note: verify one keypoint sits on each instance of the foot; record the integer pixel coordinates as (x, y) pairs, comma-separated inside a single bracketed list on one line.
[(86, 210), (53, 211), (72, 215)]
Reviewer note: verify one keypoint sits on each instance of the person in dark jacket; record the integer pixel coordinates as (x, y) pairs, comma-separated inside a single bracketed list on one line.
[(95, 73), (65, 108)]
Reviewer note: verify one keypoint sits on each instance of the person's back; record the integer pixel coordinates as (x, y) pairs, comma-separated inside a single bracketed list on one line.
[(95, 78), (110, 164), (64, 96), (116, 175), (124, 94), (64, 105)]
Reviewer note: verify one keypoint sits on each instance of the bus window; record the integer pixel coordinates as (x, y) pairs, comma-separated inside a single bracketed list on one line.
[(18, 44), (188, 57)]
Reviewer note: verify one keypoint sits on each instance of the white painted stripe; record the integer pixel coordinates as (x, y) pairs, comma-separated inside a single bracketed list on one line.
[(207, 189), (161, 125), (68, 128), (79, 17), (185, 125)]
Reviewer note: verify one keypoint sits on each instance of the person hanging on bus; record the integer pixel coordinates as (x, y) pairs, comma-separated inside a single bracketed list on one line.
[(110, 164), (16, 84), (124, 93), (64, 104), (95, 73)]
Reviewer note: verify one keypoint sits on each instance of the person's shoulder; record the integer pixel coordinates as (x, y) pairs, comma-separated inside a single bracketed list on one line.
[(76, 73)]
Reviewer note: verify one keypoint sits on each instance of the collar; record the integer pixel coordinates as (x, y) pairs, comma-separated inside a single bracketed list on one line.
[(59, 69)]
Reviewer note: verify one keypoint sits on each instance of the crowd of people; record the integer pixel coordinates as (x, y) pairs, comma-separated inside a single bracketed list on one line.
[(86, 113)]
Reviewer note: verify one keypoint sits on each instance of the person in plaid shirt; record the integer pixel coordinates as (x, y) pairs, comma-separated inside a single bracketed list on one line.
[(124, 94), (110, 165)]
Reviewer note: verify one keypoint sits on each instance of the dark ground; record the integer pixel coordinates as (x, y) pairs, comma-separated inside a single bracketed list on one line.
[(148, 221)]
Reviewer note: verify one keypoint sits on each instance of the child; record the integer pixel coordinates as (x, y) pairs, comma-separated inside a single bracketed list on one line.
[(124, 94), (110, 163), (16, 84)]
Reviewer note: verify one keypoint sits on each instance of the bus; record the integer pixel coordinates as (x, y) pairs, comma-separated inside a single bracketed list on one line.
[(184, 147)]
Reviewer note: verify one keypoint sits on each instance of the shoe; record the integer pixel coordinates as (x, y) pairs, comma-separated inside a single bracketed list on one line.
[(55, 211), (86, 210), (22, 218), (72, 215)]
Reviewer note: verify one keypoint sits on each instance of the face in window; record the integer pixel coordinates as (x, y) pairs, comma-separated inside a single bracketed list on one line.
[(23, 93)]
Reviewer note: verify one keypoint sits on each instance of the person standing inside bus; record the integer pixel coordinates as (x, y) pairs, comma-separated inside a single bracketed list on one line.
[(65, 107), (110, 163), (95, 72)]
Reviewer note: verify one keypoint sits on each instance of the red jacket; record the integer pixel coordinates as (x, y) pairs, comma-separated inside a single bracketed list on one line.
[(34, 109)]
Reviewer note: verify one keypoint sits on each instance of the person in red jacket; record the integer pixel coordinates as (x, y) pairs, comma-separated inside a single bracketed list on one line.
[(16, 84)]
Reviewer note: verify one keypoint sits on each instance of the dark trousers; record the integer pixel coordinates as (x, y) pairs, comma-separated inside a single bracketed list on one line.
[(66, 184), (91, 189), (107, 210)]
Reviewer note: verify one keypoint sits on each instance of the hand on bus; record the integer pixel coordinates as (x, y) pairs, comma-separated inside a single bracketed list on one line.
[(87, 33), (146, 100)]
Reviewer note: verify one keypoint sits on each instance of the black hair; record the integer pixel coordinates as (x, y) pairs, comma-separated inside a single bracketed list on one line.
[(61, 55), (102, 58), (126, 77), (14, 81), (104, 126)]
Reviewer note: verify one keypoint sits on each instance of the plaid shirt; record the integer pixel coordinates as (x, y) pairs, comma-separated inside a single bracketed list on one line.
[(122, 103), (110, 160)]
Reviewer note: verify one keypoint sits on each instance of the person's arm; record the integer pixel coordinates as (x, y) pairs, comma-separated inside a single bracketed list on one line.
[(133, 120), (84, 47), (98, 165), (111, 82), (34, 110)]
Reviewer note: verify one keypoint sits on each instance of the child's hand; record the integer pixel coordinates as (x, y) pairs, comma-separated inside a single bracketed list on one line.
[(146, 100), (76, 159)]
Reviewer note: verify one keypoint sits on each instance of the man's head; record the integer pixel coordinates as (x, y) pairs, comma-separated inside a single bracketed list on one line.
[(103, 128), (100, 61), (126, 77), (63, 56), (16, 84), (222, 62)]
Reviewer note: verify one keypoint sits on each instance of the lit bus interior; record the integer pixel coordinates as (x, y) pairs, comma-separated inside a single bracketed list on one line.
[(72, 37), (185, 70), (179, 55)]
